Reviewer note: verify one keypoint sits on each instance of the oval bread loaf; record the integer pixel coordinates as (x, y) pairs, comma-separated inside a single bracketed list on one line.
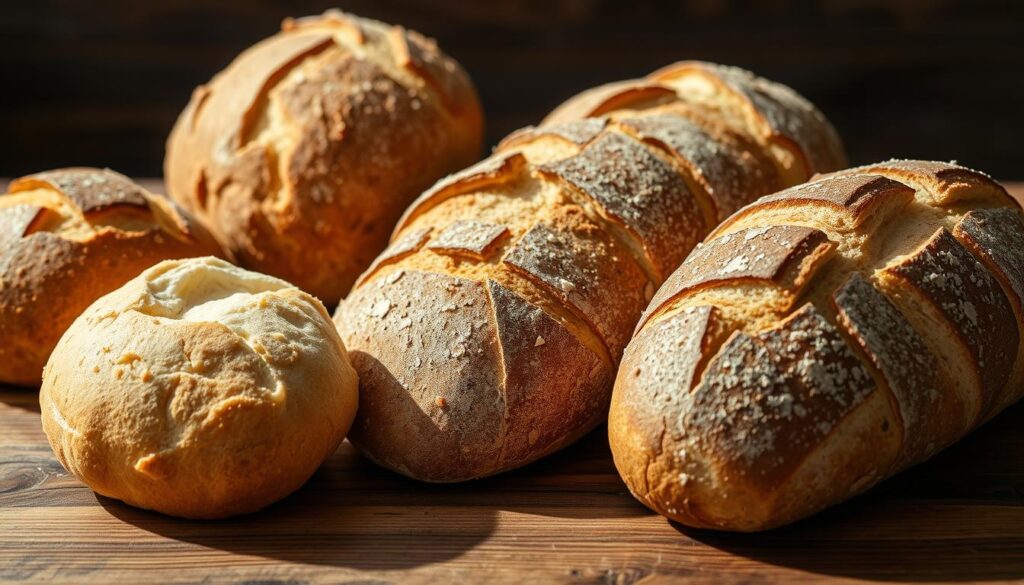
[(790, 129), (488, 333), (820, 340), (68, 237), (303, 153)]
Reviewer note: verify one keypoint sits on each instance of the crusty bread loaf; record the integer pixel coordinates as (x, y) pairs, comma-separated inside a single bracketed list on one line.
[(794, 133), (488, 333), (68, 237), (820, 340), (302, 154), (198, 389)]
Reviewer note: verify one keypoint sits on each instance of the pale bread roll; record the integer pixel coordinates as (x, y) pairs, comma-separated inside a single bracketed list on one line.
[(199, 390)]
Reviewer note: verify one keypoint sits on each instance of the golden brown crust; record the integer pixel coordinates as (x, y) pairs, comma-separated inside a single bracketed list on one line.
[(639, 191), (198, 390), (476, 239), (17, 220), (842, 201), (907, 338), (785, 256), (571, 258), (931, 413), (537, 263), (69, 237), (321, 133), (447, 399), (784, 116), (946, 183), (92, 190), (493, 171), (603, 99), (731, 169), (945, 274), (578, 132), (996, 236), (796, 135)]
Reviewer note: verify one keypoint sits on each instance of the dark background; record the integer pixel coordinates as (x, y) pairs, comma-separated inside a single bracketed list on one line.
[(100, 83)]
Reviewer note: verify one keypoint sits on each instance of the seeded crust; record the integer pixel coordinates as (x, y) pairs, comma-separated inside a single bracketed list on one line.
[(67, 237), (303, 153), (794, 133), (488, 333), (822, 339)]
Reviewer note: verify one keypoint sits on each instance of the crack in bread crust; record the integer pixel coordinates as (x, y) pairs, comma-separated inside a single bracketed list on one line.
[(919, 289), (580, 219), (322, 133)]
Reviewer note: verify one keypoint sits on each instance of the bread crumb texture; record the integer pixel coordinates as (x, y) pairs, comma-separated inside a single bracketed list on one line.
[(198, 389), (821, 339)]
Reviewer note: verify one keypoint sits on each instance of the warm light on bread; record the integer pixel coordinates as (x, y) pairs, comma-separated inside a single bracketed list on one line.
[(198, 389), (67, 237), (487, 335), (302, 154), (820, 340)]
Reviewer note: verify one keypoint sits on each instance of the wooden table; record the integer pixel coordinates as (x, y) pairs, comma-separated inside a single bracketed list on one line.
[(568, 518)]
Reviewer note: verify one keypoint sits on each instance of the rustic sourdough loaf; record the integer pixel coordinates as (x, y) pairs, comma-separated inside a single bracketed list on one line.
[(820, 340), (792, 131), (68, 237), (198, 389), (488, 333), (302, 154)]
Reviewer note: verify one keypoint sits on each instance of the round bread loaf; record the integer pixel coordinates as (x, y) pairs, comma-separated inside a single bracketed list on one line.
[(198, 389), (68, 237), (303, 153)]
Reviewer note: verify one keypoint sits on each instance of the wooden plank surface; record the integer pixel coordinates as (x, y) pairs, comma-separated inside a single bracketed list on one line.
[(568, 518)]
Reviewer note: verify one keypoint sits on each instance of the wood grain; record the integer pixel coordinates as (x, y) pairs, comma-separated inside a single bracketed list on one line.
[(568, 518)]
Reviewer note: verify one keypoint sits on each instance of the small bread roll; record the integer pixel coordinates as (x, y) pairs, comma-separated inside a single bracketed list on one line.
[(198, 389), (303, 153), (68, 237)]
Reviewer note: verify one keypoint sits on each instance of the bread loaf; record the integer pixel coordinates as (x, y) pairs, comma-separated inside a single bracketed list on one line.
[(487, 334), (302, 154), (820, 340), (198, 389), (790, 129), (68, 237)]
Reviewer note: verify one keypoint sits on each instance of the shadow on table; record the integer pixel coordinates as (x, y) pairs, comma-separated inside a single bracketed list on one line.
[(21, 397), (348, 515), (355, 514), (958, 517)]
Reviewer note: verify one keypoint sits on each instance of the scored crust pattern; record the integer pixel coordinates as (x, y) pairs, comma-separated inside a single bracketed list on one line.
[(303, 153), (794, 134), (67, 237), (565, 233), (885, 295)]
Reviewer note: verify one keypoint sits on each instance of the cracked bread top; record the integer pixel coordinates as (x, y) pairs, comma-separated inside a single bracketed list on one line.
[(198, 389), (67, 237), (321, 133)]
